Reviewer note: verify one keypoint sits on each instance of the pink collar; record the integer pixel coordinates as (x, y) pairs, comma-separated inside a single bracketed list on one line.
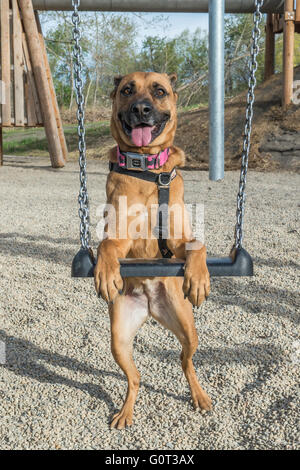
[(133, 161)]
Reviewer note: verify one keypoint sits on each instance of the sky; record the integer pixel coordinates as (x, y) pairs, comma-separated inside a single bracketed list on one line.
[(173, 25), (178, 22)]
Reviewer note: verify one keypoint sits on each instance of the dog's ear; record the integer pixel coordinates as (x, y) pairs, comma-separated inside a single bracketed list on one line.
[(173, 78), (117, 81)]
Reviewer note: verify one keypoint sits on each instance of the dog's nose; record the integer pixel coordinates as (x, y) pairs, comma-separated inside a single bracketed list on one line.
[(141, 108)]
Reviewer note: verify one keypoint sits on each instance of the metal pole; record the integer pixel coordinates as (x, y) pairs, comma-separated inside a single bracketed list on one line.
[(232, 6), (216, 90)]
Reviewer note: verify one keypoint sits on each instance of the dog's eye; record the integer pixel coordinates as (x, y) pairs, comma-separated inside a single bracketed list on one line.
[(160, 92), (127, 91)]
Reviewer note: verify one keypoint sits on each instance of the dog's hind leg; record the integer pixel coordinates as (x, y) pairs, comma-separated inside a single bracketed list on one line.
[(168, 306), (127, 314)]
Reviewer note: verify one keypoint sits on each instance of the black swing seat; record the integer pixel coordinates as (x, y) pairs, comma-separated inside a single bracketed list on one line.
[(238, 264)]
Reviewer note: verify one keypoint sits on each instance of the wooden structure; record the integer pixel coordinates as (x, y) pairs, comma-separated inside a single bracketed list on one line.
[(287, 23), (28, 95)]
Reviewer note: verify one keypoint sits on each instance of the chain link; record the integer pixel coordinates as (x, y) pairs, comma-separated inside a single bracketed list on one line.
[(77, 68), (241, 197)]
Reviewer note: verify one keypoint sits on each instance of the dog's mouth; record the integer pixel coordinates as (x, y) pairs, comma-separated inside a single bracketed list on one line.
[(143, 134)]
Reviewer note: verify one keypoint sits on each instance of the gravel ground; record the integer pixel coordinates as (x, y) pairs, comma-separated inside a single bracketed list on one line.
[(59, 384)]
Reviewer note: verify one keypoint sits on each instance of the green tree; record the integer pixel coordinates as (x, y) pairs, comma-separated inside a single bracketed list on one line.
[(59, 44), (186, 55), (238, 30), (108, 48), (112, 46), (279, 52)]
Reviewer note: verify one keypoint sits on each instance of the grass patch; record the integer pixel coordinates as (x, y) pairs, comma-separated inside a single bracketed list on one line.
[(24, 146), (32, 141), (191, 107)]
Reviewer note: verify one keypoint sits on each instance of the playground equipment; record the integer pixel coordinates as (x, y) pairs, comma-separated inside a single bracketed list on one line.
[(239, 262), (182, 6), (28, 95), (283, 16), (287, 23)]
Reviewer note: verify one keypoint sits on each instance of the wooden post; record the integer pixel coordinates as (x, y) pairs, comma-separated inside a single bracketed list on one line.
[(18, 66), (37, 60), (269, 48), (33, 104), (52, 92), (1, 147), (5, 61), (288, 52), (298, 11)]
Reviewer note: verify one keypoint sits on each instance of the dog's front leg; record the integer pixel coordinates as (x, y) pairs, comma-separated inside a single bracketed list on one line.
[(108, 281), (196, 285)]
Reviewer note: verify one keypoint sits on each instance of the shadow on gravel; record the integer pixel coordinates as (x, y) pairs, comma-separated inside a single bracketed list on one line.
[(31, 247), (34, 163), (275, 263), (247, 354), (34, 167), (63, 171), (24, 359), (267, 358), (34, 238), (256, 298)]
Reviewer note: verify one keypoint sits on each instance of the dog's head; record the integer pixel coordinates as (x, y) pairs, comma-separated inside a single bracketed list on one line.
[(144, 111)]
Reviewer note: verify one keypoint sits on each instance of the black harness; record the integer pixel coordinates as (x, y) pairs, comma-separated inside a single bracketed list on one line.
[(163, 181)]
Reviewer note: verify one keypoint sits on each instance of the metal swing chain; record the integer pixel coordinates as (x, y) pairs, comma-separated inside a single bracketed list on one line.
[(254, 50), (83, 194)]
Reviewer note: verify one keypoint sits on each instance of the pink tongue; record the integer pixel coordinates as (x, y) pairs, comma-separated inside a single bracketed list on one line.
[(141, 136)]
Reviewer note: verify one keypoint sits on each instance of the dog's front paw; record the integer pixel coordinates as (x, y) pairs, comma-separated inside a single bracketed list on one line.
[(108, 281), (196, 285)]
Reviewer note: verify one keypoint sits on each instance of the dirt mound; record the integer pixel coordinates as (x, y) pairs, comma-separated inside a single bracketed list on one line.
[(91, 115), (275, 134), (275, 141)]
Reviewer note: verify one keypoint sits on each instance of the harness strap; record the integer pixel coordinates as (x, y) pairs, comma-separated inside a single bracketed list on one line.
[(163, 181), (163, 213)]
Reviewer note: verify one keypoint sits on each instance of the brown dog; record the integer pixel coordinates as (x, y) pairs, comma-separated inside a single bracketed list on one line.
[(144, 121)]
